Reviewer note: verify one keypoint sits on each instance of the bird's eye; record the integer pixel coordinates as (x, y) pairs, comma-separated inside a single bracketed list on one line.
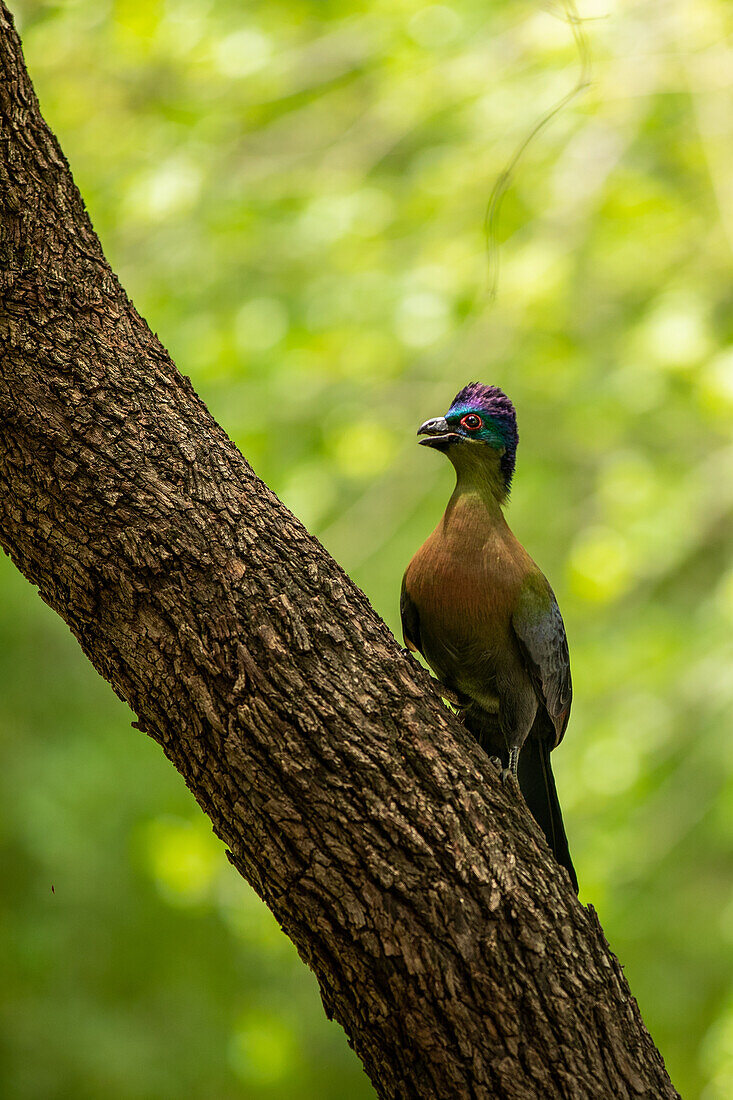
[(471, 422)]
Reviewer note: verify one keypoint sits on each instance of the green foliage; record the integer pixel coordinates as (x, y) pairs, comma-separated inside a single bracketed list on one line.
[(293, 194)]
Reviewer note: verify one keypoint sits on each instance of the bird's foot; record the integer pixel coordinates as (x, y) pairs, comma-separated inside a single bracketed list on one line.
[(509, 778), (509, 774), (496, 761)]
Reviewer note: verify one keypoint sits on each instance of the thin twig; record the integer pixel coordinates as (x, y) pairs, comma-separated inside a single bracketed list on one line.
[(505, 177)]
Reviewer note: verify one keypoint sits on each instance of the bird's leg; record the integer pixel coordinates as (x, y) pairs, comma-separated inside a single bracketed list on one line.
[(509, 774), (456, 700)]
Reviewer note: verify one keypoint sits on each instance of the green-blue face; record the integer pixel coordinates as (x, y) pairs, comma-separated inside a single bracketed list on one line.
[(472, 423)]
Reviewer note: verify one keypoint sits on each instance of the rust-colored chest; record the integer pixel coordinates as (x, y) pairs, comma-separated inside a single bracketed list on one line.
[(464, 582)]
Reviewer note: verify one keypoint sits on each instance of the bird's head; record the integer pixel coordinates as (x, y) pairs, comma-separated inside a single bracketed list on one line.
[(479, 427)]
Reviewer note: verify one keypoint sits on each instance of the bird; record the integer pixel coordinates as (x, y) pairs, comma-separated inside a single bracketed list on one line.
[(482, 614)]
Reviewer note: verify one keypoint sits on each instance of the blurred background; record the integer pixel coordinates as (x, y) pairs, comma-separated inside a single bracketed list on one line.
[(293, 194)]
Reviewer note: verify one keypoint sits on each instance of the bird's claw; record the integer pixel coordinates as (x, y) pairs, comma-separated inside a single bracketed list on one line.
[(496, 761), (509, 779)]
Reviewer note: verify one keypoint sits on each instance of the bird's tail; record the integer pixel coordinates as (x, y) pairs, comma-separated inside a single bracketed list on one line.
[(537, 784)]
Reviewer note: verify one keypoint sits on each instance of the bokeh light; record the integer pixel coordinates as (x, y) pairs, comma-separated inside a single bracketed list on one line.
[(293, 194)]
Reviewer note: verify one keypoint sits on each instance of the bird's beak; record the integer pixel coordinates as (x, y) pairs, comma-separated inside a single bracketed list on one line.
[(437, 432)]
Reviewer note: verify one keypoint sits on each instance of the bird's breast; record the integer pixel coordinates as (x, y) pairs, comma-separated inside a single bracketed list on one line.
[(464, 582)]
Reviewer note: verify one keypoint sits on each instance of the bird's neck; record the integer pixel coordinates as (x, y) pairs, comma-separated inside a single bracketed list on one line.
[(480, 481)]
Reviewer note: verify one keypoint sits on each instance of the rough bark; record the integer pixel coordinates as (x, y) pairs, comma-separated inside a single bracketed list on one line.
[(444, 938)]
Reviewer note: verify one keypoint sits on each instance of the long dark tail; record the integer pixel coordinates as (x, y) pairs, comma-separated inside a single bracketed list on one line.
[(536, 781), (537, 784)]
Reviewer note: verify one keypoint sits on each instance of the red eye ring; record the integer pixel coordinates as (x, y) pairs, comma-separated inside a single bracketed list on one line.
[(471, 422)]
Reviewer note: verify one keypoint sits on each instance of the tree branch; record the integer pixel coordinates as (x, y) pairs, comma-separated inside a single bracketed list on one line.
[(444, 938)]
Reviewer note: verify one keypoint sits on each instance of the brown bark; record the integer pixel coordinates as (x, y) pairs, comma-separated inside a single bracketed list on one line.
[(445, 940)]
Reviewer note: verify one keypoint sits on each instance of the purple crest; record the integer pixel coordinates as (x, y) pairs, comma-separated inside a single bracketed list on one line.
[(493, 402)]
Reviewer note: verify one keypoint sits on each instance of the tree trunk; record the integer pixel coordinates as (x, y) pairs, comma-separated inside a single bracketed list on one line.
[(445, 939)]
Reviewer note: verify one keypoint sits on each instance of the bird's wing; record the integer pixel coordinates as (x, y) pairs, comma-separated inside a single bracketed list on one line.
[(540, 631), (410, 620)]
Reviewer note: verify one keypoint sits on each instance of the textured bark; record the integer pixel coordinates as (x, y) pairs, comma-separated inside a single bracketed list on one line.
[(445, 940)]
